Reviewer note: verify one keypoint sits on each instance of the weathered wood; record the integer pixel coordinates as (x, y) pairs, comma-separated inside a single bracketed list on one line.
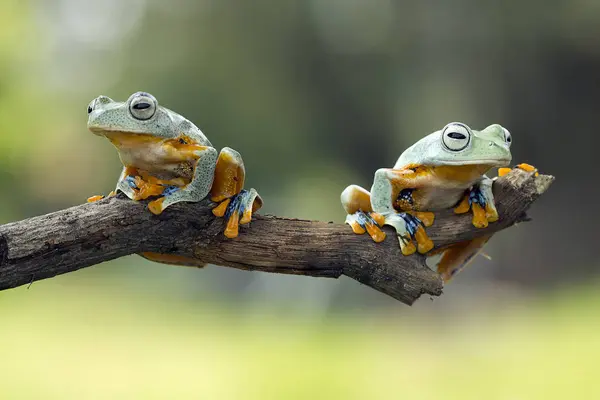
[(63, 241)]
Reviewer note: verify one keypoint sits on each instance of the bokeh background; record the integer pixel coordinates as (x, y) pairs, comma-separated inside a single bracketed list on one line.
[(315, 94)]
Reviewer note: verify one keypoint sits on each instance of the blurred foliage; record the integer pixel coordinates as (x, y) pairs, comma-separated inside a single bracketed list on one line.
[(315, 94), (104, 340)]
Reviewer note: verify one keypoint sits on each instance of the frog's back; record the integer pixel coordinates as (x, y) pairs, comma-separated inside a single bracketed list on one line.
[(188, 128), (418, 153)]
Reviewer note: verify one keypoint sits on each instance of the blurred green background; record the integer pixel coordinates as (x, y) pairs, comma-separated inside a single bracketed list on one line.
[(315, 94)]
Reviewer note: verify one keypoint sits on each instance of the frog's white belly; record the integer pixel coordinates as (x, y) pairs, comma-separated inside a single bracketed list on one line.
[(432, 199), (148, 158), (157, 159)]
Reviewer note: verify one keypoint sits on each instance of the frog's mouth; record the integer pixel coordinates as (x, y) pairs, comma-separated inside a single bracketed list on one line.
[(103, 131), (115, 133), (502, 162)]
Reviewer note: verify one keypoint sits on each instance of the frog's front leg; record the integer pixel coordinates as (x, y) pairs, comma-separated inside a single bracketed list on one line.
[(480, 200), (125, 184), (370, 211), (196, 190), (136, 187), (525, 167), (235, 203), (388, 186)]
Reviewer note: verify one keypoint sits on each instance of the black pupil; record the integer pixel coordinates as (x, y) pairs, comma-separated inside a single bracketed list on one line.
[(456, 135), (141, 106), (90, 109)]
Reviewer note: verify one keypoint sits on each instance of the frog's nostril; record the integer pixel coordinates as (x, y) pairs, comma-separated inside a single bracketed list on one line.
[(90, 109)]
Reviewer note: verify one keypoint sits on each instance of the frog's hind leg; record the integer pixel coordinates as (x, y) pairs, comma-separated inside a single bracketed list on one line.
[(457, 256), (361, 218), (196, 190), (480, 200), (235, 203)]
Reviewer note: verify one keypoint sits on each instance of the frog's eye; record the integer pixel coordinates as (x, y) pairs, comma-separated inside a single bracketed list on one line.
[(142, 107), (507, 137), (456, 137)]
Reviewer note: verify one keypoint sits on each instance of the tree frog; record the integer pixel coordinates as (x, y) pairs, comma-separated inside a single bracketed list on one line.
[(445, 169), (168, 157)]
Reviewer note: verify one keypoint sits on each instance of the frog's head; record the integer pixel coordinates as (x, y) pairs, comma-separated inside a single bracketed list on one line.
[(457, 144), (140, 114)]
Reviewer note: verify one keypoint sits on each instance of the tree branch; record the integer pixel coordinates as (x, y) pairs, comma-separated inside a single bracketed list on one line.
[(78, 237)]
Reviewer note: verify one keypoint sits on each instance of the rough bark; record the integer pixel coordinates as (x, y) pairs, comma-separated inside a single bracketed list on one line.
[(81, 236)]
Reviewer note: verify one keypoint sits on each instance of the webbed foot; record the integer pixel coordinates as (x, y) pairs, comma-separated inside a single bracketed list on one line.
[(410, 229), (409, 226), (158, 206), (143, 189), (140, 189), (371, 222), (525, 167), (480, 201), (238, 210)]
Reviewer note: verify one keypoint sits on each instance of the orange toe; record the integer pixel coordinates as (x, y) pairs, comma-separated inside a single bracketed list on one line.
[(219, 210), (463, 206), (409, 248), (479, 218), (156, 206), (380, 219), (528, 168), (246, 217), (375, 232), (503, 171), (94, 198), (147, 189), (356, 228), (232, 229), (424, 244)]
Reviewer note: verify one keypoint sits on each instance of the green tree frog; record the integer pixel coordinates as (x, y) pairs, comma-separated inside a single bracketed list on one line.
[(167, 157), (442, 170)]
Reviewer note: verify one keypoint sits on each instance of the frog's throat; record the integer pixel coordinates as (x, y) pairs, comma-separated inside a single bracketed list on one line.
[(466, 174)]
